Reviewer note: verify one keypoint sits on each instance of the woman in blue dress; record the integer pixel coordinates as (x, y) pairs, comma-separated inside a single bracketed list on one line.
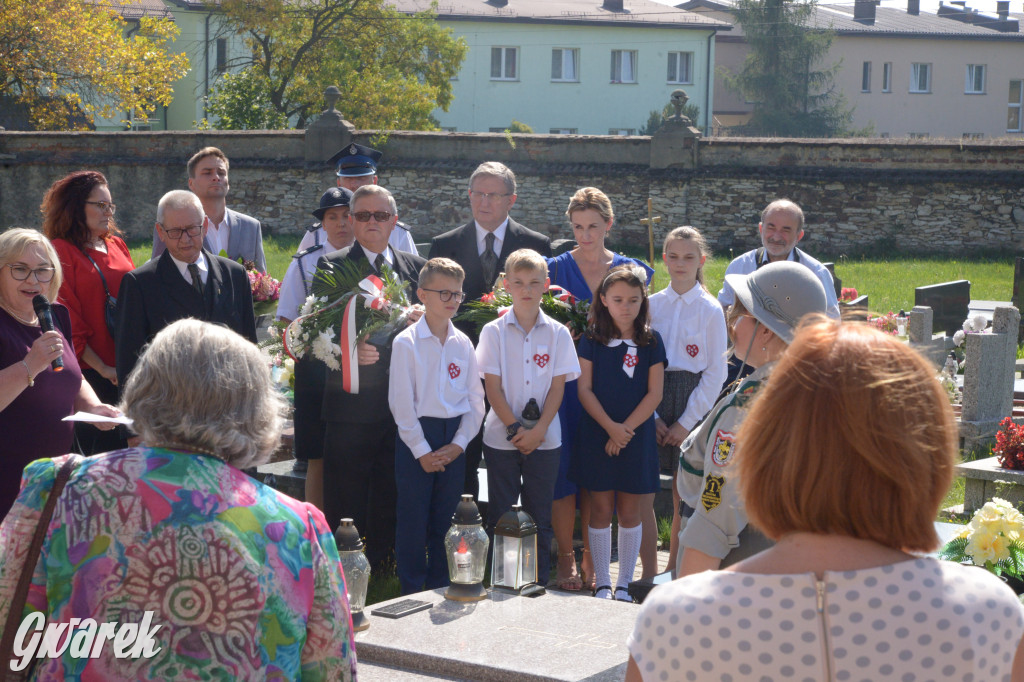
[(580, 272)]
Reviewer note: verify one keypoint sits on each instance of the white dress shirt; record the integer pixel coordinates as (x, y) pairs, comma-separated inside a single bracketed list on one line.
[(372, 257), (431, 379), (526, 362), (204, 268), (499, 237), (217, 234), (693, 328), (747, 263)]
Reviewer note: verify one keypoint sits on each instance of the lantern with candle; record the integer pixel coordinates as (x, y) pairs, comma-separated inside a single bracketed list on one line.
[(514, 564), (466, 544), (357, 571)]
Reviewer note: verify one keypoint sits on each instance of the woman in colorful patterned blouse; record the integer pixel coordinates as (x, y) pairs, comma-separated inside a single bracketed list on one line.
[(239, 581)]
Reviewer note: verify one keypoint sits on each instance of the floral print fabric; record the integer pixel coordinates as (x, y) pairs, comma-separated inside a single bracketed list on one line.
[(244, 581)]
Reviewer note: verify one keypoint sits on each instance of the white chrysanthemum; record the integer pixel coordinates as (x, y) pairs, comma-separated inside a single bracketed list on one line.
[(980, 323), (958, 338), (325, 350), (968, 325), (307, 305)]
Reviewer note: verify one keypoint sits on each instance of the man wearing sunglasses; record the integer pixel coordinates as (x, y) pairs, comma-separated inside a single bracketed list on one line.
[(356, 475), (185, 281)]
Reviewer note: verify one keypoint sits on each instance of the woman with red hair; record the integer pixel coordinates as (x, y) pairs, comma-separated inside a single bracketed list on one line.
[(78, 217)]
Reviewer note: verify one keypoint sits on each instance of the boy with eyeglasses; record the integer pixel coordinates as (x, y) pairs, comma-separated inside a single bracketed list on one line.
[(438, 404), (525, 359)]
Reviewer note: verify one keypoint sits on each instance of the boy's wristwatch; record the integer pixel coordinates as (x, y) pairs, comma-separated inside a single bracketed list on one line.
[(512, 429)]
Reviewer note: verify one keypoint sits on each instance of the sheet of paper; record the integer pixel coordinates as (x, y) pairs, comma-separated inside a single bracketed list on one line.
[(97, 419)]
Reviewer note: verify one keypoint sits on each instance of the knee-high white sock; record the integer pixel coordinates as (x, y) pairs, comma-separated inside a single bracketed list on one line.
[(629, 548), (601, 553)]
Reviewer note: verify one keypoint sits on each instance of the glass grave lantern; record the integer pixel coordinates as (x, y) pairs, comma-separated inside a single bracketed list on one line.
[(514, 564), (466, 544), (357, 571)]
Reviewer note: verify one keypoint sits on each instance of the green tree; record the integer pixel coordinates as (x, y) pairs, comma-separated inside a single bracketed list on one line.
[(393, 69), (794, 96), (519, 127), (654, 119), (65, 62)]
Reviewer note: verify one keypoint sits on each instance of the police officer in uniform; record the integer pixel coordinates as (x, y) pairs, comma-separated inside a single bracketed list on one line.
[(769, 304), (355, 166), (310, 374)]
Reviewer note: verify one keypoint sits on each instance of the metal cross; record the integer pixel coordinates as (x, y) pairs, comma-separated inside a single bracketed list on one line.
[(649, 221)]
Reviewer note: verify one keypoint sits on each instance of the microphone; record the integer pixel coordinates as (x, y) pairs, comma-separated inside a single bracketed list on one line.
[(45, 315)]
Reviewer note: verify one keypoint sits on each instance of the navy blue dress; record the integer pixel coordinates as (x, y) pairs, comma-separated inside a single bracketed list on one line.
[(635, 468), (564, 272)]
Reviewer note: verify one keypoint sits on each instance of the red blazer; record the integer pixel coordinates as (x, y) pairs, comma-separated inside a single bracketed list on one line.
[(82, 293)]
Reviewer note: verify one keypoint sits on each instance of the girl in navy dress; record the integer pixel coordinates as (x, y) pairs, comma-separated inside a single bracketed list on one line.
[(615, 455)]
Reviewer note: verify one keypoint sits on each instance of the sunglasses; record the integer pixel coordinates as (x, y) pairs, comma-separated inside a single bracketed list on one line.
[(379, 216)]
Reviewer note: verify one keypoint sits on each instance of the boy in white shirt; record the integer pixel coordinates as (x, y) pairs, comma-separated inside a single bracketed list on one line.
[(438, 405), (523, 356)]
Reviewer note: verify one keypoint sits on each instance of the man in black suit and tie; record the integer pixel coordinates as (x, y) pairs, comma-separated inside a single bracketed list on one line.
[(185, 281), (356, 475), (481, 247)]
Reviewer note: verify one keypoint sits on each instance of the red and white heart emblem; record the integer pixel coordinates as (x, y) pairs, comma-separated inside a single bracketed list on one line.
[(453, 370), (541, 360), (630, 360), (692, 350)]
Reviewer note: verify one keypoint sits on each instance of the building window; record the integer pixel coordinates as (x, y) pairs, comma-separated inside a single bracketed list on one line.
[(865, 78), (623, 66), (563, 65), (622, 131), (973, 136), (680, 67), (564, 131), (918, 136), (222, 55), (974, 81), (504, 63), (887, 77), (920, 77), (1013, 117)]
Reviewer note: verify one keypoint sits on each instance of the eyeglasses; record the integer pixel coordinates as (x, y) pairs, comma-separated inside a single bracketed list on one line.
[(489, 196), (104, 206), (379, 216), (446, 295), (21, 272), (176, 232)]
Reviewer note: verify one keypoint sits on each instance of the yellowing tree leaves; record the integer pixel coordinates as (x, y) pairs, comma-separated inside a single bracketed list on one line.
[(68, 60)]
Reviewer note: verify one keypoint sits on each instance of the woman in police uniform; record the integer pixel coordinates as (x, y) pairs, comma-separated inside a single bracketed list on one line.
[(769, 304)]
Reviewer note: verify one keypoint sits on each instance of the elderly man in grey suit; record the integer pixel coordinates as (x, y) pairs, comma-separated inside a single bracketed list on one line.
[(235, 234)]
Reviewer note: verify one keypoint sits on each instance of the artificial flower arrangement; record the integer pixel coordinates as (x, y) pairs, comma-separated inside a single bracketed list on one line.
[(344, 309), (848, 295), (557, 303), (265, 289), (1009, 447), (887, 323), (972, 325), (992, 540)]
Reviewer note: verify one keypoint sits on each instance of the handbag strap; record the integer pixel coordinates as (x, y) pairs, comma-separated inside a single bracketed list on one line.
[(102, 278), (34, 550)]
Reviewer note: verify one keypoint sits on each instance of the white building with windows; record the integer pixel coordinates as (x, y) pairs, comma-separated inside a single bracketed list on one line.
[(574, 66), (955, 74)]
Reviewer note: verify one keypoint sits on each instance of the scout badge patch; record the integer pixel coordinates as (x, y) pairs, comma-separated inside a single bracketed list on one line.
[(711, 496), (724, 443)]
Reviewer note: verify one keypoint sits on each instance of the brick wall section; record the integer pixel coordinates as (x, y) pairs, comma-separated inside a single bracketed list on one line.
[(918, 196)]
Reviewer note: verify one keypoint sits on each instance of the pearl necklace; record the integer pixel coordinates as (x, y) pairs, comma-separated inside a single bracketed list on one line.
[(32, 323), (191, 449)]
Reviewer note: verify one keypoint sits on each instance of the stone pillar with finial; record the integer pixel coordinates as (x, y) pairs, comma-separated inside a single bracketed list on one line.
[(675, 142), (330, 132)]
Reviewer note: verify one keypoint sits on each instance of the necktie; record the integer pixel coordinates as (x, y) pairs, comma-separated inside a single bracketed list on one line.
[(197, 281), (489, 261), (379, 263)]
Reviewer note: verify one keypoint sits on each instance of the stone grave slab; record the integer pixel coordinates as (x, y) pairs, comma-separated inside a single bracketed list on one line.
[(555, 636), (985, 479), (949, 303)]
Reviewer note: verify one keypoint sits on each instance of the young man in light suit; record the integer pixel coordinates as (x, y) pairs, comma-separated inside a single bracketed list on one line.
[(236, 234)]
